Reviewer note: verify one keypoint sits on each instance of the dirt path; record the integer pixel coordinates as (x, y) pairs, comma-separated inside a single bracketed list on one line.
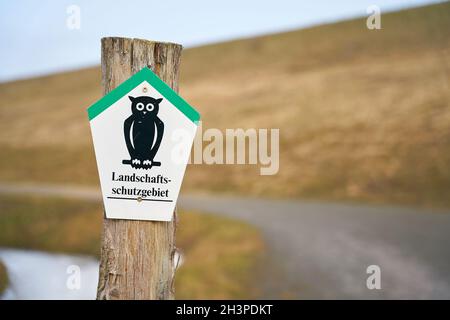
[(322, 250)]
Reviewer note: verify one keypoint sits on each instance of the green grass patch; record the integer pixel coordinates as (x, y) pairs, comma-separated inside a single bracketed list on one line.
[(3, 278), (220, 255)]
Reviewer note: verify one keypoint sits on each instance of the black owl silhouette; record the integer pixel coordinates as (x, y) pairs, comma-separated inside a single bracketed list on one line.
[(143, 132)]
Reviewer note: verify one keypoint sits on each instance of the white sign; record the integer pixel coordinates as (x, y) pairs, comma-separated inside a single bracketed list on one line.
[(142, 133)]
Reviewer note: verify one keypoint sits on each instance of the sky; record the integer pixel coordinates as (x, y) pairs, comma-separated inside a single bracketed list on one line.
[(40, 37)]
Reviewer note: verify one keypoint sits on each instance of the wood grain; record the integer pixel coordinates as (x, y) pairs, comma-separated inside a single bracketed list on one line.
[(137, 257)]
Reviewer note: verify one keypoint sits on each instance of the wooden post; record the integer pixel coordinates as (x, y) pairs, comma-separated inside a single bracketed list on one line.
[(137, 257)]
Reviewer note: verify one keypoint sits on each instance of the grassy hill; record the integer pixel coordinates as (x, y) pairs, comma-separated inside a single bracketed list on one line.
[(363, 114)]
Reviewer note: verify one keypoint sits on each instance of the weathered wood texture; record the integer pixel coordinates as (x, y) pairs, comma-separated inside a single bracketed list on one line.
[(137, 257)]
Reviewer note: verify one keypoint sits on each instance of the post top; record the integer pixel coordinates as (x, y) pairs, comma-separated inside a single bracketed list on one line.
[(143, 40)]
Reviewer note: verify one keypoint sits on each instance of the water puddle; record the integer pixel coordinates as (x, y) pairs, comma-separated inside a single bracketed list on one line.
[(41, 275)]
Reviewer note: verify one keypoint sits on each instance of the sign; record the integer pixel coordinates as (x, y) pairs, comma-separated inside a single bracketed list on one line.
[(142, 133)]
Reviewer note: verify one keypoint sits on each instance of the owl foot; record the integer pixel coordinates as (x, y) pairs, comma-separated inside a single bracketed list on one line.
[(147, 163), (136, 163)]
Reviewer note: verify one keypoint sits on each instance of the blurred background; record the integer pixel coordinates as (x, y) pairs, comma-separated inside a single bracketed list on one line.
[(359, 91)]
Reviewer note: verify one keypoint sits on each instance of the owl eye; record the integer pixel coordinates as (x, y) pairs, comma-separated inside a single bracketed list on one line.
[(149, 107), (140, 106)]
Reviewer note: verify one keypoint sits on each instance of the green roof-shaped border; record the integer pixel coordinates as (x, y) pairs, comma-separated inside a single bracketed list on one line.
[(144, 75)]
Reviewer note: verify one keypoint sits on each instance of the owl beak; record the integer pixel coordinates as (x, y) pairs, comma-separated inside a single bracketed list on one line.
[(145, 112)]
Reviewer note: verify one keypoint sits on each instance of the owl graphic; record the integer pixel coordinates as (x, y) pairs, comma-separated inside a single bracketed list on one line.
[(143, 132)]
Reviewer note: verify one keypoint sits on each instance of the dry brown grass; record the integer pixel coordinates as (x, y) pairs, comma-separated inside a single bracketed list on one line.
[(220, 255), (363, 115)]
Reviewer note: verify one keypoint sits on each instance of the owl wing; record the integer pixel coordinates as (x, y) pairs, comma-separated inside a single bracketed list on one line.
[(127, 133), (159, 135)]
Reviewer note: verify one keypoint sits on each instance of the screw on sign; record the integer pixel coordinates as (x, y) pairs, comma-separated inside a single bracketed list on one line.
[(135, 129)]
